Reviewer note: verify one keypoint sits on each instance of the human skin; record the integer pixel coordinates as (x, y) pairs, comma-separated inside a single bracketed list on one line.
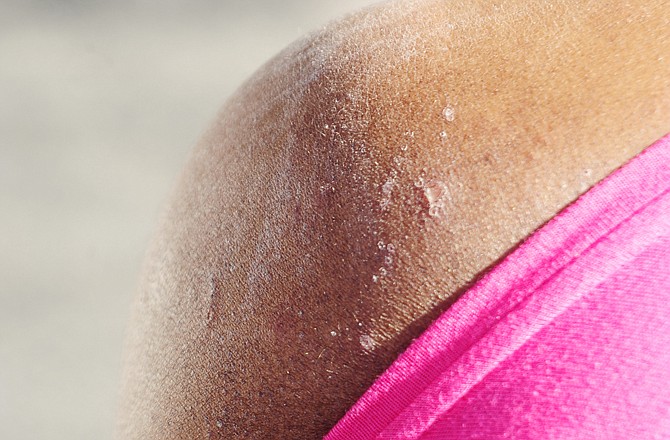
[(353, 188)]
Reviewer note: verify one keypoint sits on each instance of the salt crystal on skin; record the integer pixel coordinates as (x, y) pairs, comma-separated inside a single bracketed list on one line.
[(449, 113)]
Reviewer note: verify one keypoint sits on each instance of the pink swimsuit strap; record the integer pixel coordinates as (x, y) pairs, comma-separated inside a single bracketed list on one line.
[(567, 338)]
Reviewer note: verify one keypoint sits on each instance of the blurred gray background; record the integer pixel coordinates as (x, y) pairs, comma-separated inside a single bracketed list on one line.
[(100, 103)]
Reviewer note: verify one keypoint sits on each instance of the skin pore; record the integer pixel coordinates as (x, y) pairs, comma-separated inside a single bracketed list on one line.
[(353, 188)]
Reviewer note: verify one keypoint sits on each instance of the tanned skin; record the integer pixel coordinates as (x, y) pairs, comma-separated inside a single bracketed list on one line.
[(359, 183)]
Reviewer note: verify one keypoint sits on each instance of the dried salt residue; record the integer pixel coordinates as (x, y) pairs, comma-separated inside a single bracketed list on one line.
[(387, 190), (449, 113), (437, 195), (387, 252), (367, 342)]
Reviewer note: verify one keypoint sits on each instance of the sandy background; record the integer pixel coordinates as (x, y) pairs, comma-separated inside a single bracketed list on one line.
[(100, 103)]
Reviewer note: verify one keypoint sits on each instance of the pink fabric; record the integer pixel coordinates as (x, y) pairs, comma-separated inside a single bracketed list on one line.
[(567, 338)]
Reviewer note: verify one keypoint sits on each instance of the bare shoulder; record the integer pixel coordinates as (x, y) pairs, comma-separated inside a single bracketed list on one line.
[(358, 183)]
